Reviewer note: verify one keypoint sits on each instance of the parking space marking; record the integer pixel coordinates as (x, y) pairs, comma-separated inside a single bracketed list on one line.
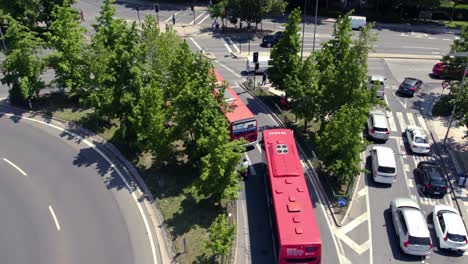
[(401, 120), (411, 119)]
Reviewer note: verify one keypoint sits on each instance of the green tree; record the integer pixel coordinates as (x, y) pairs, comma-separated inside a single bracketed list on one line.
[(340, 143), (221, 236), (306, 92), (285, 60), (66, 39), (23, 65), (459, 45)]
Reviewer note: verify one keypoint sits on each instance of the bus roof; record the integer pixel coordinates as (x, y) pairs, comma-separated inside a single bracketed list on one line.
[(295, 218), (238, 111)]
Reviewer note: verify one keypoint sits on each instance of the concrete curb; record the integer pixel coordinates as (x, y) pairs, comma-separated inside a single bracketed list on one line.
[(156, 218), (371, 55)]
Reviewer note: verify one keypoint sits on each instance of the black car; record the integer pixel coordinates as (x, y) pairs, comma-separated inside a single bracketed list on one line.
[(432, 178), (410, 86), (270, 40)]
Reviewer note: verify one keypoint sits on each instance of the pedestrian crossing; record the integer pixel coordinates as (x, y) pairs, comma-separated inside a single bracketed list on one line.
[(398, 121)]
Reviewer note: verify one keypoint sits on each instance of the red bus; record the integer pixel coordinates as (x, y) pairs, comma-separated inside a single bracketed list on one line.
[(242, 123), (296, 233)]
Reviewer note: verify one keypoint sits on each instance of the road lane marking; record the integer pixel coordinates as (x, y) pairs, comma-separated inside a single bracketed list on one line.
[(401, 160), (195, 43), (258, 148), (251, 168), (411, 119), (401, 121), (51, 210), (193, 22), (422, 123), (407, 168), (127, 185), (227, 46), (353, 224), (391, 121), (414, 47), (411, 183), (229, 69), (233, 44), (175, 14), (14, 166), (201, 21)]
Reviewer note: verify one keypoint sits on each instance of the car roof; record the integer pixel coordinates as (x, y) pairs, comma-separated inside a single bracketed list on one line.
[(454, 223), (380, 119), (409, 80), (435, 173), (416, 222), (417, 131), (379, 78), (384, 153)]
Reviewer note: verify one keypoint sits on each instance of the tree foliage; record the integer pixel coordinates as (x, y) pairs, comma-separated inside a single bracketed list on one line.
[(340, 143), (23, 66), (285, 60), (221, 236), (66, 39)]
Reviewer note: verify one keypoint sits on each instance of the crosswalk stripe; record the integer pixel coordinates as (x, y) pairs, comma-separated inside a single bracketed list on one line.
[(411, 119), (201, 21), (391, 121), (227, 46), (401, 121), (422, 123)]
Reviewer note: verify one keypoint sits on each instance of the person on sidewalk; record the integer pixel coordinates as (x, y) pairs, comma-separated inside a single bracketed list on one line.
[(173, 19), (213, 25), (244, 168), (82, 16), (264, 78)]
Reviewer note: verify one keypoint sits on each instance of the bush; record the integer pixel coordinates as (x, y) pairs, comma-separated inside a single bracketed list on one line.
[(443, 107)]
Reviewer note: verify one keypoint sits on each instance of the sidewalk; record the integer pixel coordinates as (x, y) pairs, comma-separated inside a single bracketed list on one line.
[(454, 156)]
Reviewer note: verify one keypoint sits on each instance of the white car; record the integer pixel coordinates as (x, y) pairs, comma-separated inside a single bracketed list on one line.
[(417, 140), (449, 228)]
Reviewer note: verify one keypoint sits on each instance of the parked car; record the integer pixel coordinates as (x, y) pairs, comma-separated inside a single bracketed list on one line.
[(383, 165), (411, 227), (432, 178), (377, 125), (417, 140), (449, 228), (270, 40), (379, 82), (410, 86), (446, 71)]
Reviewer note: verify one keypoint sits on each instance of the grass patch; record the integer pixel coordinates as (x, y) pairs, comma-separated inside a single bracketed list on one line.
[(456, 24), (185, 218)]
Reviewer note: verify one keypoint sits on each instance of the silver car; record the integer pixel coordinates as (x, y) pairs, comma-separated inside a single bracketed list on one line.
[(411, 227), (377, 125), (378, 82)]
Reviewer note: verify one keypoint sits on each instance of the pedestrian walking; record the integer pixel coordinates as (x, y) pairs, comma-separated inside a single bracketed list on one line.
[(82, 16), (217, 25), (213, 25), (211, 3), (264, 78), (173, 19)]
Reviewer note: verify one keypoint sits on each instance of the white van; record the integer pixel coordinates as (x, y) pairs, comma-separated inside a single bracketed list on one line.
[(383, 165), (358, 22), (263, 65)]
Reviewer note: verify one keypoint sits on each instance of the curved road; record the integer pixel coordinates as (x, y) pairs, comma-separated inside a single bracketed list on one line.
[(62, 202)]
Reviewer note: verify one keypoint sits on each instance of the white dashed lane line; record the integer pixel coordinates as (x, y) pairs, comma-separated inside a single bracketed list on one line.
[(16, 167), (51, 210)]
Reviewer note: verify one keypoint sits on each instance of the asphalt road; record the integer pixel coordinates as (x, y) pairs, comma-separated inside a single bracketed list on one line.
[(62, 202)]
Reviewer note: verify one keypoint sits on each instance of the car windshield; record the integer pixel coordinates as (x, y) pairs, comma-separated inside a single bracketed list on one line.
[(456, 237), (419, 240), (269, 38), (435, 173), (421, 140), (406, 85)]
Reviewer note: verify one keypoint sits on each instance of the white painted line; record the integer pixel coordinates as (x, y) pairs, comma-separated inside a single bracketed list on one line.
[(359, 249), (246, 237), (232, 43), (422, 123), (201, 21), (413, 197), (411, 183), (258, 148), (124, 180), (404, 171), (195, 43), (413, 47), (407, 168), (54, 217), (167, 20), (251, 168), (227, 46), (193, 22), (401, 120), (229, 69), (391, 121), (14, 166), (237, 230), (362, 192), (411, 119), (447, 39), (353, 224)]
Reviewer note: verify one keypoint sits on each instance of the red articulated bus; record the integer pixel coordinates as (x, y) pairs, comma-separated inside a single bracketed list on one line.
[(242, 123), (296, 233)]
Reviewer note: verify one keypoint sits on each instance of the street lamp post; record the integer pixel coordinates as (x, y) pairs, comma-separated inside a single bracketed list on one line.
[(462, 86)]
